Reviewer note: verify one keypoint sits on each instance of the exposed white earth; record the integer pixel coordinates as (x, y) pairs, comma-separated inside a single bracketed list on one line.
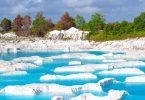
[(107, 81), (83, 68), (123, 71), (58, 98), (79, 56), (135, 79), (35, 89), (33, 59), (6, 66), (83, 76), (75, 63), (14, 73), (113, 64), (96, 67), (112, 95)]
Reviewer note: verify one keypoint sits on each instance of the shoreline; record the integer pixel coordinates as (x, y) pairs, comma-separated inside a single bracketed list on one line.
[(42, 44)]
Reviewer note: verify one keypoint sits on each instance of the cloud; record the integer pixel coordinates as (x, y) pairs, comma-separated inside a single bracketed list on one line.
[(78, 3), (113, 10), (87, 9)]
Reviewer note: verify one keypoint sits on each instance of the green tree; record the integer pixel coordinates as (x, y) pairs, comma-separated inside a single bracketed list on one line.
[(123, 27), (129, 28), (6, 25), (79, 22), (39, 25), (108, 28), (139, 22), (96, 23), (116, 28)]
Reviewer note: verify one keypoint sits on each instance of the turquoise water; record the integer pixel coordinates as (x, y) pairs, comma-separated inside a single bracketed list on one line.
[(136, 91)]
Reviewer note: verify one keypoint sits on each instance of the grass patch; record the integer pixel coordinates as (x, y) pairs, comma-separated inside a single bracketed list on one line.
[(107, 37)]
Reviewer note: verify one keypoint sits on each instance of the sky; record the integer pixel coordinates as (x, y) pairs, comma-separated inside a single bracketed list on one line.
[(112, 10)]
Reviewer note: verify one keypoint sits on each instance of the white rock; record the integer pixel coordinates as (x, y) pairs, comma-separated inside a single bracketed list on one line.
[(34, 59), (34, 89), (92, 87), (9, 35), (46, 45), (10, 49), (72, 33), (135, 79), (14, 73), (136, 44), (123, 71), (83, 68), (8, 66), (87, 96), (79, 56), (116, 95), (47, 60), (18, 90), (58, 98), (23, 66), (116, 60), (74, 63), (107, 81), (112, 95), (84, 76), (108, 55), (129, 64), (133, 55), (95, 67)]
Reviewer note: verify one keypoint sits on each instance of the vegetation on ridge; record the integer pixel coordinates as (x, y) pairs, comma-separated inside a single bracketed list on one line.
[(98, 28)]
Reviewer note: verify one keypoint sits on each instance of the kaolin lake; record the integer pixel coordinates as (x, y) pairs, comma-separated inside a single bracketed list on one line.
[(136, 91)]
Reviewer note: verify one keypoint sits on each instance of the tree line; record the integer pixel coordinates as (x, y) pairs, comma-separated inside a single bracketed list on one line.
[(98, 28)]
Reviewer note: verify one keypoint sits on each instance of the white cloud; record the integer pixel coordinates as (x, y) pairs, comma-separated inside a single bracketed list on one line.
[(78, 3), (88, 9)]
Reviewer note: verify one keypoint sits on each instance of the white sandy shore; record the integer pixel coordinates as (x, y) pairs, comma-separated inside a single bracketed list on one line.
[(134, 48), (38, 44)]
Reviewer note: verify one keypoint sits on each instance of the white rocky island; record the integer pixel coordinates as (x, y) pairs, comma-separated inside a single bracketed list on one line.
[(135, 79), (83, 76), (112, 95), (123, 71), (35, 89)]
